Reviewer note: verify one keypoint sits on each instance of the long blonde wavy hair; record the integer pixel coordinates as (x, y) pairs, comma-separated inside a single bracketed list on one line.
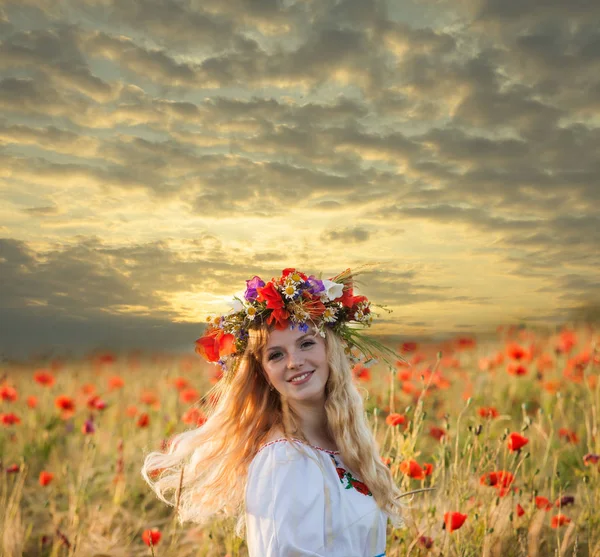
[(204, 471)]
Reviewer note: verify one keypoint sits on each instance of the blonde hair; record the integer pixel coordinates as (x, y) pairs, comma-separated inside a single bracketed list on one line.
[(245, 411)]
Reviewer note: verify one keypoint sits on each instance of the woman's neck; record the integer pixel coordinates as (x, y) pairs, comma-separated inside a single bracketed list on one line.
[(313, 423)]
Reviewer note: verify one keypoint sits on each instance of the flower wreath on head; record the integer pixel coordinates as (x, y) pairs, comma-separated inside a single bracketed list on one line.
[(294, 300)]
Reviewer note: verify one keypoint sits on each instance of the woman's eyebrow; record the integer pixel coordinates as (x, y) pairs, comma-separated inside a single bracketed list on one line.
[(297, 340)]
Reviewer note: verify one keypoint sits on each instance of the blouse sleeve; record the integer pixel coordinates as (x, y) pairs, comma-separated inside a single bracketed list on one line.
[(285, 504)]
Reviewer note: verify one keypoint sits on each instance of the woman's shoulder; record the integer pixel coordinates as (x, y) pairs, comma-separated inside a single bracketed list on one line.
[(281, 463), (276, 447)]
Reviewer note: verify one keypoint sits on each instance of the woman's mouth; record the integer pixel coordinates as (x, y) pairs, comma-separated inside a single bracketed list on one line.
[(300, 379)]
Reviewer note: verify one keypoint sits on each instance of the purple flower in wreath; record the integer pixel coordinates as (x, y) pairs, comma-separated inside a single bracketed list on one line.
[(316, 286), (251, 288)]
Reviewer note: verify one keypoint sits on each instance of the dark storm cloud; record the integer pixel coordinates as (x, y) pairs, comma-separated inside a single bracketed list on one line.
[(76, 295), (42, 211), (355, 234), (257, 108)]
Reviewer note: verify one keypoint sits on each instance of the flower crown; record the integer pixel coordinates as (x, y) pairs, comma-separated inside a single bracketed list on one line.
[(293, 300)]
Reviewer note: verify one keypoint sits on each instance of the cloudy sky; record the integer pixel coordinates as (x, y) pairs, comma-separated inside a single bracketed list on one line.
[(155, 154)]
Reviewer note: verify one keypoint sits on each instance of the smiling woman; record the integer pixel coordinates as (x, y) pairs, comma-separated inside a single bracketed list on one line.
[(286, 447)]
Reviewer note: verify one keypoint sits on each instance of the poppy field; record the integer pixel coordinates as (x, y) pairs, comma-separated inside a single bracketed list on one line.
[(505, 431)]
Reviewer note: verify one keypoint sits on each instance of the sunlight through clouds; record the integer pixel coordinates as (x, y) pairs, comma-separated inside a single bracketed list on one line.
[(155, 155)]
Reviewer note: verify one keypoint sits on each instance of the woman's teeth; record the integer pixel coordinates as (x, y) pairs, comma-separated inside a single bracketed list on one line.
[(301, 377)]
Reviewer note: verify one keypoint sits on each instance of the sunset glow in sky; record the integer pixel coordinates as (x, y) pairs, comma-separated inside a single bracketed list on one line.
[(155, 154)]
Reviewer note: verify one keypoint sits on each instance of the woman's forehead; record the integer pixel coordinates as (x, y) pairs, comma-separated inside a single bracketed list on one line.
[(289, 335)]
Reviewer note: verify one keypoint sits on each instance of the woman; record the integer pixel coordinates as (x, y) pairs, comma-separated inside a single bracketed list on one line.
[(286, 447)]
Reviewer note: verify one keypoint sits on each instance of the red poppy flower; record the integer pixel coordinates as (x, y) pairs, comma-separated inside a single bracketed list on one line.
[(149, 398), (453, 521), (45, 478), (96, 403), (193, 416), (131, 411), (143, 420), (428, 468), (215, 344), (437, 432), (106, 358), (412, 469), (115, 382), (151, 537), (386, 460), (551, 387), (44, 377), (8, 393), (408, 347), (488, 412), (568, 435), (567, 340), (9, 419), (516, 441), (356, 300), (88, 389), (520, 510), (465, 343), (405, 375), (65, 403), (180, 383), (13, 469), (394, 419), (559, 520), (291, 271), (543, 503), (500, 478), (347, 297), (189, 395), (361, 373), (426, 542), (271, 296), (591, 458), (32, 401), (408, 388), (279, 318), (516, 369), (516, 352)]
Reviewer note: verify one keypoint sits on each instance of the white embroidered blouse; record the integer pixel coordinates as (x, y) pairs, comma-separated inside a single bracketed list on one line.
[(302, 501)]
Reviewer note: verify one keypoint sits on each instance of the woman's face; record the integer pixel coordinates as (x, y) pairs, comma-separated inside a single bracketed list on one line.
[(296, 365)]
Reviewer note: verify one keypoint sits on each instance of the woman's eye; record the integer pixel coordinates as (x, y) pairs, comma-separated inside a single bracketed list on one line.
[(307, 343), (274, 355)]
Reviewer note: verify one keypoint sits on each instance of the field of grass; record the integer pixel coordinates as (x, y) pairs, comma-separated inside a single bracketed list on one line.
[(506, 431)]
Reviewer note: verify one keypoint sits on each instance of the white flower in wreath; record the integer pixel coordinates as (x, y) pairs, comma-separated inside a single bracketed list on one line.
[(236, 306), (333, 290)]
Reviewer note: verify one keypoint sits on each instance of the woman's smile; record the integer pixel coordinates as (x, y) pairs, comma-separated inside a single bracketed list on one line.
[(302, 378)]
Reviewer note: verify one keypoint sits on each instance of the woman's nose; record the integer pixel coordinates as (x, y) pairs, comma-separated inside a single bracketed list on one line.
[(294, 360)]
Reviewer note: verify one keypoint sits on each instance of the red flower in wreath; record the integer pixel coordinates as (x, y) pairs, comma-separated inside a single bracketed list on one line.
[(292, 271), (271, 296), (348, 297), (215, 344), (313, 305), (359, 300), (279, 317)]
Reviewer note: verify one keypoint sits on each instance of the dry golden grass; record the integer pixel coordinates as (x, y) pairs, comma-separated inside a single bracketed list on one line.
[(98, 504)]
